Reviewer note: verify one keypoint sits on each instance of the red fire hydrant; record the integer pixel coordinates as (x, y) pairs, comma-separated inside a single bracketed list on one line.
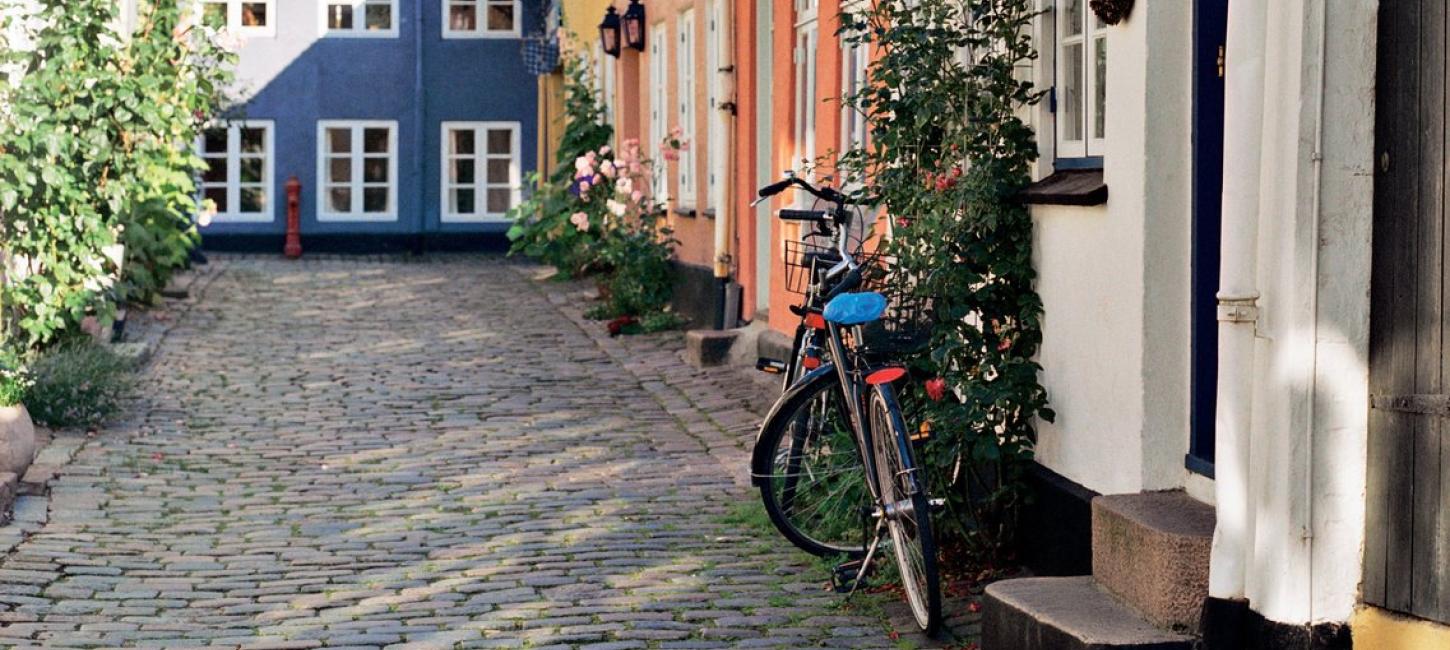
[(293, 246)]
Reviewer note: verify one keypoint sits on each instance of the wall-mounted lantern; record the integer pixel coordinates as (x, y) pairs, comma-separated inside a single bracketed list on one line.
[(609, 32), (634, 25)]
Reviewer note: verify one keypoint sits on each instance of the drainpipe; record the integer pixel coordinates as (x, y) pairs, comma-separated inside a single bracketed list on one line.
[(1238, 296), (724, 210)]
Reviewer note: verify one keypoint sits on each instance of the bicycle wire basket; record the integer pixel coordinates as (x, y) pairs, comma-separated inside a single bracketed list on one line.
[(906, 325)]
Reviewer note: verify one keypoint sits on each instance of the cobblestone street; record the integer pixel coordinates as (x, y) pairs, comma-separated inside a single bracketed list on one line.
[(414, 454)]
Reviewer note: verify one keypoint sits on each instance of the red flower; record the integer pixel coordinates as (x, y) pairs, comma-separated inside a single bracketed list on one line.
[(944, 183), (974, 607), (936, 388)]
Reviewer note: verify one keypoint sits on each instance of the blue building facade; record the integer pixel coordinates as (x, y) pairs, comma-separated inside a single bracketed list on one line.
[(401, 118)]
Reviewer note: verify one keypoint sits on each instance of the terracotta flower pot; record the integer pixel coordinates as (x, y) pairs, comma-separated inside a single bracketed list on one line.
[(17, 439)]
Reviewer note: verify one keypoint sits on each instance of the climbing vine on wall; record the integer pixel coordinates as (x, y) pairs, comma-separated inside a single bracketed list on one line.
[(96, 167), (947, 155)]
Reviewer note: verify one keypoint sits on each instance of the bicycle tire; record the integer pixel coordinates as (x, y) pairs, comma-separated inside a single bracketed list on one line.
[(904, 489), (809, 471)]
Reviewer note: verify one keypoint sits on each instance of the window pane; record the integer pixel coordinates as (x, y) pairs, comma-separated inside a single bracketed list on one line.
[(339, 16), (498, 172), (251, 169), (462, 172), (254, 199), (254, 140), (216, 170), (214, 14), (1071, 102), (501, 18), (339, 140), (214, 141), (375, 170), (339, 199), (463, 141), (375, 140), (463, 201), (375, 199), (379, 17), (500, 141), (254, 14), (463, 18), (340, 170), (1100, 89), (1072, 17), (217, 195), (498, 201)]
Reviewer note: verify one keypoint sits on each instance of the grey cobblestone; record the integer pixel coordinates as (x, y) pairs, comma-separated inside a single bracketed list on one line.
[(440, 454)]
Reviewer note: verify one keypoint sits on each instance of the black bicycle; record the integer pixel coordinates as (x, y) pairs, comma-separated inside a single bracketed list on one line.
[(835, 462)]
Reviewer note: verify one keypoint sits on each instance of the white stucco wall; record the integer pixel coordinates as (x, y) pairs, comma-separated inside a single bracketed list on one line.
[(1114, 279)]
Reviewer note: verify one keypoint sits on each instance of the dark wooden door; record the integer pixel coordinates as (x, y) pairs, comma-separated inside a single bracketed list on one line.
[(1407, 546), (1210, 30)]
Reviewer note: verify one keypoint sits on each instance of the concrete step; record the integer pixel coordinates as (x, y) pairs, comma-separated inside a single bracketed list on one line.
[(1151, 550), (1066, 614)]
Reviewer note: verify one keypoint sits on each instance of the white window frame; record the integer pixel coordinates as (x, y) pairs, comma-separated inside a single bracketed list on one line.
[(234, 16), (803, 59), (233, 183), (480, 184), (658, 101), (359, 19), (1092, 36), (855, 59), (715, 55), (604, 86), (482, 31), (685, 74), (355, 180)]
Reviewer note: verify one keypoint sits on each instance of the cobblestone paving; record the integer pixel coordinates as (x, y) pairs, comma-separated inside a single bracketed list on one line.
[(433, 455)]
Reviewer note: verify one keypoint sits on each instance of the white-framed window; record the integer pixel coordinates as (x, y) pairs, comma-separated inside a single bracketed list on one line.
[(604, 85), (807, 35), (685, 97), (1081, 84), (359, 18), (238, 175), (482, 19), (855, 58), (481, 178), (243, 17), (658, 115), (716, 145), (357, 170)]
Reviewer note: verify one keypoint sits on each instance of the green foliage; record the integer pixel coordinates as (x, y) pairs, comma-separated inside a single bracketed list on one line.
[(947, 156), (95, 155), (14, 378), (541, 226), (78, 384)]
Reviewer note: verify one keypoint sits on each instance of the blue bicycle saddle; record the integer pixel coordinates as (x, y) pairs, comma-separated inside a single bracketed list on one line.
[(855, 308)]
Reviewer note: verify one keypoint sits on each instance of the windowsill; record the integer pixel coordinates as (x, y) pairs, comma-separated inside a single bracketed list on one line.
[(708, 213), (1068, 187), (685, 212)]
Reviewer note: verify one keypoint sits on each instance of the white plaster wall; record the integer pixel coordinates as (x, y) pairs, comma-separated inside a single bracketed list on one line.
[(1114, 279)]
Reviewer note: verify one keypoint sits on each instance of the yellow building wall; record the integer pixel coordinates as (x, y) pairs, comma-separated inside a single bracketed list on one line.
[(579, 32), (1378, 629)]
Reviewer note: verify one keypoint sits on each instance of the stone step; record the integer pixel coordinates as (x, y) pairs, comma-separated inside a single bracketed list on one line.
[(1066, 614), (1151, 550)]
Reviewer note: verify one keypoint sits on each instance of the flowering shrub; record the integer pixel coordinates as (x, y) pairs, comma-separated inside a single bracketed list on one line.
[(14, 378), (947, 156)]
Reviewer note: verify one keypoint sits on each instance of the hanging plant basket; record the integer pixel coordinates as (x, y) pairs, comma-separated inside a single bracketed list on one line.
[(1112, 12), (541, 54)]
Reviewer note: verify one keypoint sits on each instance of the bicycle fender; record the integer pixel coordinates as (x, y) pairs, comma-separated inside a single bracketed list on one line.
[(760, 458)]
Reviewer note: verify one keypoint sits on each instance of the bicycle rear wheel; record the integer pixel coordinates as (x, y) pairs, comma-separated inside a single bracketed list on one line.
[(908, 509), (809, 472)]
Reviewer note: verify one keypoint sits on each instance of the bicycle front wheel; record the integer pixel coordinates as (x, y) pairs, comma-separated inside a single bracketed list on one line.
[(908, 509), (809, 472)]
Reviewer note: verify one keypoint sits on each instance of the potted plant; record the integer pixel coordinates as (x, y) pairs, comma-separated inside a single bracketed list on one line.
[(17, 433)]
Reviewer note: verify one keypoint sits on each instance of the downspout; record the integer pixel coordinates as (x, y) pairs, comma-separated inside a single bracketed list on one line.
[(1315, 215), (725, 209), (1238, 295)]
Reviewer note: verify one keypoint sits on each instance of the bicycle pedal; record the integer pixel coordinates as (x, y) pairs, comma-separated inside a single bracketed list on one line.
[(844, 578), (769, 366)]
